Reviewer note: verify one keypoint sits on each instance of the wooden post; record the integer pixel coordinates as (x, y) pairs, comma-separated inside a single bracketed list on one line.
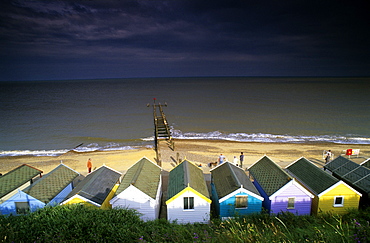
[(156, 148)]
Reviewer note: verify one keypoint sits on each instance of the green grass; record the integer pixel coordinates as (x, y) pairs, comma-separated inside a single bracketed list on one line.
[(78, 223)]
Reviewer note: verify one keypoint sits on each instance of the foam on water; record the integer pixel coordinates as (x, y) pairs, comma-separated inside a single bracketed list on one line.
[(93, 147), (215, 135), (270, 138)]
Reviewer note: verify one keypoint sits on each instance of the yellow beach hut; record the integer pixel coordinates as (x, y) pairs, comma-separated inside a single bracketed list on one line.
[(353, 174), (330, 194), (96, 189)]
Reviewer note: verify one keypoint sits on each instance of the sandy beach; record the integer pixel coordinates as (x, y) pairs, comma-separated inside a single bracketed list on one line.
[(198, 151)]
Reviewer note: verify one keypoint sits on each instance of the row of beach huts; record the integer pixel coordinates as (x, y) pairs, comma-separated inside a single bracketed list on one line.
[(302, 188)]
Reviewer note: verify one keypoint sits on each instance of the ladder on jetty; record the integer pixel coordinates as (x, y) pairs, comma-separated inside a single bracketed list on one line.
[(161, 128)]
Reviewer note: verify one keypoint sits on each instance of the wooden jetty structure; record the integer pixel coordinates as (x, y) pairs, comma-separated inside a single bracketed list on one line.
[(161, 128)]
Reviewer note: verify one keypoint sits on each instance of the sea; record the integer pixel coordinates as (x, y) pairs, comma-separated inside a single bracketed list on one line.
[(49, 118)]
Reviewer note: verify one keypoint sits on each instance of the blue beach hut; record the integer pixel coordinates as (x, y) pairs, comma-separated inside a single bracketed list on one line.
[(49, 190), (233, 194), (13, 182)]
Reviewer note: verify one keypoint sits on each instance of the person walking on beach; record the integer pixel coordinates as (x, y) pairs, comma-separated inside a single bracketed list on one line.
[(241, 159), (328, 156), (221, 159), (89, 165)]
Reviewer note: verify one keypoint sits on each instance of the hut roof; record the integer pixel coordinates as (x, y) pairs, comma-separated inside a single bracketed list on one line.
[(97, 185), (269, 175), (144, 175), (312, 176), (227, 178), (16, 178), (350, 172), (51, 184), (366, 163), (186, 174)]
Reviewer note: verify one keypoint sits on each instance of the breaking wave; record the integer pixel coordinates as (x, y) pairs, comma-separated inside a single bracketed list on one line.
[(215, 135), (92, 147), (270, 138)]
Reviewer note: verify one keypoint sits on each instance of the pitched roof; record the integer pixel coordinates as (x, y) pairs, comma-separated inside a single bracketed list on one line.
[(269, 175), (16, 178), (51, 184), (97, 185), (366, 163), (144, 175), (351, 172), (312, 176), (341, 165), (184, 175), (227, 178)]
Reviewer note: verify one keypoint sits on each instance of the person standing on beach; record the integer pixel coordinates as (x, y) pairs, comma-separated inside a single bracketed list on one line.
[(221, 159), (328, 156), (241, 159), (89, 165)]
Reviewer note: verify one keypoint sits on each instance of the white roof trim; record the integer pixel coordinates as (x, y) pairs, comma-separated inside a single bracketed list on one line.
[(239, 190), (225, 163), (114, 199), (292, 182), (61, 163), (82, 198), (364, 161), (144, 157), (118, 196), (105, 167), (337, 184)]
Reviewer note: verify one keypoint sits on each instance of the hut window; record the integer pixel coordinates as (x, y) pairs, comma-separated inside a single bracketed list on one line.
[(338, 201), (22, 207), (188, 203), (241, 201), (291, 202)]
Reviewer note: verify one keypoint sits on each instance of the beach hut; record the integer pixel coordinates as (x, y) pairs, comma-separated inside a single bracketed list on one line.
[(14, 181), (280, 191), (49, 190), (96, 189), (188, 197), (353, 174), (140, 189), (331, 194), (233, 194)]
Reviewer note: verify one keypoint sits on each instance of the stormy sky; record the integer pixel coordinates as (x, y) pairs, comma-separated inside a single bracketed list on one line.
[(84, 39)]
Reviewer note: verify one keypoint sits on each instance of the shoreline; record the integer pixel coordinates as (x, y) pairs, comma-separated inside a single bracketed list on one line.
[(198, 151)]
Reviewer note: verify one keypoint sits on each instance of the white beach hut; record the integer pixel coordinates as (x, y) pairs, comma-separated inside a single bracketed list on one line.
[(140, 189), (188, 195)]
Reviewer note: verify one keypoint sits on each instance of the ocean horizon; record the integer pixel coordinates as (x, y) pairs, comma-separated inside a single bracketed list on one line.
[(52, 117)]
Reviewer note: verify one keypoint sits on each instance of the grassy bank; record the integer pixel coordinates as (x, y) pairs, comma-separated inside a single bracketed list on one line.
[(78, 223)]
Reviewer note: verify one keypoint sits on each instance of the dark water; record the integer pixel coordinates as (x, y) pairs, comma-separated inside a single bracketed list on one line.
[(49, 117)]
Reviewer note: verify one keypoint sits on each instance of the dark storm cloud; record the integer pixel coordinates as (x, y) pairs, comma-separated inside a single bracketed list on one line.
[(94, 39)]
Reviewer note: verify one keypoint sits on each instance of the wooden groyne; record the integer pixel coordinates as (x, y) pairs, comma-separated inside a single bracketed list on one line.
[(161, 129)]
